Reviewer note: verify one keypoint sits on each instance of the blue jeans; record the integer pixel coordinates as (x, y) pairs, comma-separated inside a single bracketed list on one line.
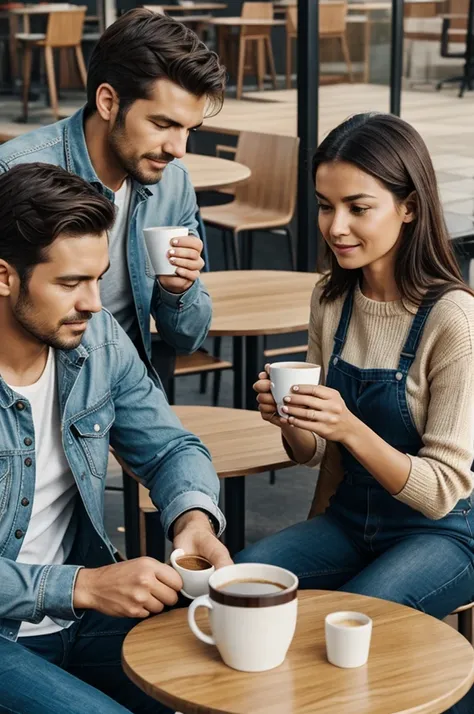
[(431, 572), (74, 671)]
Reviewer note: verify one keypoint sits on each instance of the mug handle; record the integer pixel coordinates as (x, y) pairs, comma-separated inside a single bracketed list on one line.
[(202, 601)]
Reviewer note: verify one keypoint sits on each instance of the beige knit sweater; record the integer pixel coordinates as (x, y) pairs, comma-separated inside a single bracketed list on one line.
[(440, 388)]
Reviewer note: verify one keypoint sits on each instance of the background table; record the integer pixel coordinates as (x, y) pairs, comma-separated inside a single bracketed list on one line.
[(210, 172), (417, 665)]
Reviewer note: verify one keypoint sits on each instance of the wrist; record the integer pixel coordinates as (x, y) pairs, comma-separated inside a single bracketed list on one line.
[(193, 519), (356, 432), (82, 598)]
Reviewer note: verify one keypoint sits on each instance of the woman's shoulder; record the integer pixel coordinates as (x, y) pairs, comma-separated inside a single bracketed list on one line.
[(451, 323), (455, 305)]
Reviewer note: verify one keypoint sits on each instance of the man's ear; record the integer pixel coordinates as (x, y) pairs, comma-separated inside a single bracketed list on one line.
[(5, 278), (107, 102), (410, 208)]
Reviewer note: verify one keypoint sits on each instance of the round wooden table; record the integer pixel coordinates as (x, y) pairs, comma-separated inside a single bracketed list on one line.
[(211, 172), (417, 664)]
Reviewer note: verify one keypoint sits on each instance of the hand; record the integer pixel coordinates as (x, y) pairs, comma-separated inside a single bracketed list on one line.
[(321, 410), (194, 534), (266, 404), (132, 588), (186, 255)]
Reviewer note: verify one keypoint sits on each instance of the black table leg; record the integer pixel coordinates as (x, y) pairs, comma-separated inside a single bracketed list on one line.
[(235, 513), (239, 350), (254, 363), (131, 516)]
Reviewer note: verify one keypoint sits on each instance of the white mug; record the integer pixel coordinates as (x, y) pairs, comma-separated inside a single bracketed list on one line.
[(284, 376), (158, 243), (348, 645), (195, 582), (251, 631)]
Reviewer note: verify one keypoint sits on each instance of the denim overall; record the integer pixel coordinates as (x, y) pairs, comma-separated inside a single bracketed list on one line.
[(375, 519)]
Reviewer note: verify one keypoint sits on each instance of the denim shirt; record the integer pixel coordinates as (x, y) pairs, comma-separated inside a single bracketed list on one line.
[(182, 320), (105, 398)]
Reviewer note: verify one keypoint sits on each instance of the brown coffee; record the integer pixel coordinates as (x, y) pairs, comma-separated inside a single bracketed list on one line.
[(251, 587), (350, 622), (193, 562)]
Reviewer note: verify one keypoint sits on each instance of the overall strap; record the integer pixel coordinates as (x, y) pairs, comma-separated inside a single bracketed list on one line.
[(341, 332), (410, 347)]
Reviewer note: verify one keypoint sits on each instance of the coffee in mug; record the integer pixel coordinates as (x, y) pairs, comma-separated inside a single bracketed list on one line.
[(285, 375), (194, 570), (348, 636), (252, 614)]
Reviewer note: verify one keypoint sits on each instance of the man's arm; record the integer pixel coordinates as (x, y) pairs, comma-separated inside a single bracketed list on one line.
[(183, 318)]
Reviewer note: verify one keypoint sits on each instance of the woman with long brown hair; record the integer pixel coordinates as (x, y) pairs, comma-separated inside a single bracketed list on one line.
[(392, 325)]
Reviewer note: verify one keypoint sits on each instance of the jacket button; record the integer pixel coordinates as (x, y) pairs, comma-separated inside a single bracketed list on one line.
[(19, 534), (335, 360), (27, 441), (20, 406), (399, 376), (28, 461), (25, 502)]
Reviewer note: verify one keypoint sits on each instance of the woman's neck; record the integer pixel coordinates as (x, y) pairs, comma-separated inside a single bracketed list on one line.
[(378, 282)]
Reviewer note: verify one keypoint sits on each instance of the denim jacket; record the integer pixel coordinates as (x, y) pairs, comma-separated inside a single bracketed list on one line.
[(182, 320), (105, 398)]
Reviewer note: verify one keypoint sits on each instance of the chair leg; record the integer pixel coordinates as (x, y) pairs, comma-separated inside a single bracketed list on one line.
[(271, 61), (465, 624), (291, 247), (240, 69), (235, 250), (288, 60), (261, 64), (249, 256), (27, 56), (81, 65), (347, 57), (272, 479), (49, 60)]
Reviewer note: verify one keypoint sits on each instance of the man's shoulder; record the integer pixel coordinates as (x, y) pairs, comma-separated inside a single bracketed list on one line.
[(45, 145), (175, 181), (102, 330)]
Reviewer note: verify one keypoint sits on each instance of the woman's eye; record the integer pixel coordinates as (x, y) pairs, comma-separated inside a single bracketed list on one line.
[(359, 210), (324, 207)]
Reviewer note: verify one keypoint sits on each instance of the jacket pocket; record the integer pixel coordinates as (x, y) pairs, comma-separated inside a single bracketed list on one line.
[(5, 482), (92, 432)]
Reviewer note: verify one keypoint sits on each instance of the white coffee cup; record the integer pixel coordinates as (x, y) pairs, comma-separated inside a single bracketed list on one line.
[(251, 631), (285, 375), (158, 243), (348, 636), (195, 582)]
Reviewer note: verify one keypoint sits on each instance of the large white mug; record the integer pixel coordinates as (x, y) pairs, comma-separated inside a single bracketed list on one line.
[(252, 613), (158, 243), (285, 375)]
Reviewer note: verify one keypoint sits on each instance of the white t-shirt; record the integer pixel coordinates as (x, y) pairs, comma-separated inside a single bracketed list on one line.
[(115, 287), (55, 488)]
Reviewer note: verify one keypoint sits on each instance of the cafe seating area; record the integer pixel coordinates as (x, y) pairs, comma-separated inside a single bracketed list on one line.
[(246, 164)]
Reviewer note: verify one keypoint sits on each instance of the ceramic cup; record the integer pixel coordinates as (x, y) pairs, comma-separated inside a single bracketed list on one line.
[(252, 614), (158, 243), (348, 636), (195, 572), (284, 376)]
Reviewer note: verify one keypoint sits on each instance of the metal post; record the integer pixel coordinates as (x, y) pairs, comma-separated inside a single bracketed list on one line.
[(396, 57), (308, 87)]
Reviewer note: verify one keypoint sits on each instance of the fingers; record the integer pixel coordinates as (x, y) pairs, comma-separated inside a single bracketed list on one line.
[(185, 274), (215, 552), (262, 386), (188, 242), (196, 263), (315, 390)]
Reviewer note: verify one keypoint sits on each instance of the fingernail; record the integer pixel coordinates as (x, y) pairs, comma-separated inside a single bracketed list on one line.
[(296, 388), (171, 252), (172, 260), (284, 409), (287, 399), (175, 241)]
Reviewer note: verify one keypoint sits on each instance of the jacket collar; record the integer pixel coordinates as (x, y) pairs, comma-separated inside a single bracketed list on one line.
[(78, 160)]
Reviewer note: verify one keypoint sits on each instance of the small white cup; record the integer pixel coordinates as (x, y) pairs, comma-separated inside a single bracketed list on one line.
[(158, 243), (251, 632), (284, 376), (348, 646), (195, 582)]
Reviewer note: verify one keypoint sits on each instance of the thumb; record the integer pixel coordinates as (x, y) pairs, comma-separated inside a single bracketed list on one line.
[(215, 552)]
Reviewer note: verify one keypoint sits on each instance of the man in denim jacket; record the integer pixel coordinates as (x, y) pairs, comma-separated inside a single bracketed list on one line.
[(150, 82), (71, 383)]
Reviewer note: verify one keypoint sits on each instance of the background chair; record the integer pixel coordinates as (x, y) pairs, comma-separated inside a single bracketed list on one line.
[(264, 202), (63, 31), (261, 39)]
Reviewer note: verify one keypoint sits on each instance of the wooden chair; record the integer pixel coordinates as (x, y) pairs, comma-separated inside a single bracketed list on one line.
[(203, 363), (332, 26), (63, 31), (261, 37), (267, 200)]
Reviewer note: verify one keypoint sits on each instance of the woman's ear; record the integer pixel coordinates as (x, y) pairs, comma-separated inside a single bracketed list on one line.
[(409, 208)]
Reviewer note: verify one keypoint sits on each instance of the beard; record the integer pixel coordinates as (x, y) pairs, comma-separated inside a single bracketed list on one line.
[(132, 164), (35, 326)]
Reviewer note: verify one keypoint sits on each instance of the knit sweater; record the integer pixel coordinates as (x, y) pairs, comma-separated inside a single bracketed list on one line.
[(440, 387)]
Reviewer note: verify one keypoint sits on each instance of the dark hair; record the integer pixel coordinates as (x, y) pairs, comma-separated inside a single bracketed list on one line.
[(40, 201), (393, 152), (143, 46)]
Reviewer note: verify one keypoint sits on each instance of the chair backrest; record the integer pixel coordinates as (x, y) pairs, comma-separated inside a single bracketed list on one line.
[(458, 7), (155, 8), (257, 10), (332, 18), (65, 27), (292, 20), (273, 161)]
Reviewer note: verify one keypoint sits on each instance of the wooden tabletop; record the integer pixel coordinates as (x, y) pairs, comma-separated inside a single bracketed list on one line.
[(42, 9), (259, 302), (210, 172), (417, 664), (244, 22), (198, 6)]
